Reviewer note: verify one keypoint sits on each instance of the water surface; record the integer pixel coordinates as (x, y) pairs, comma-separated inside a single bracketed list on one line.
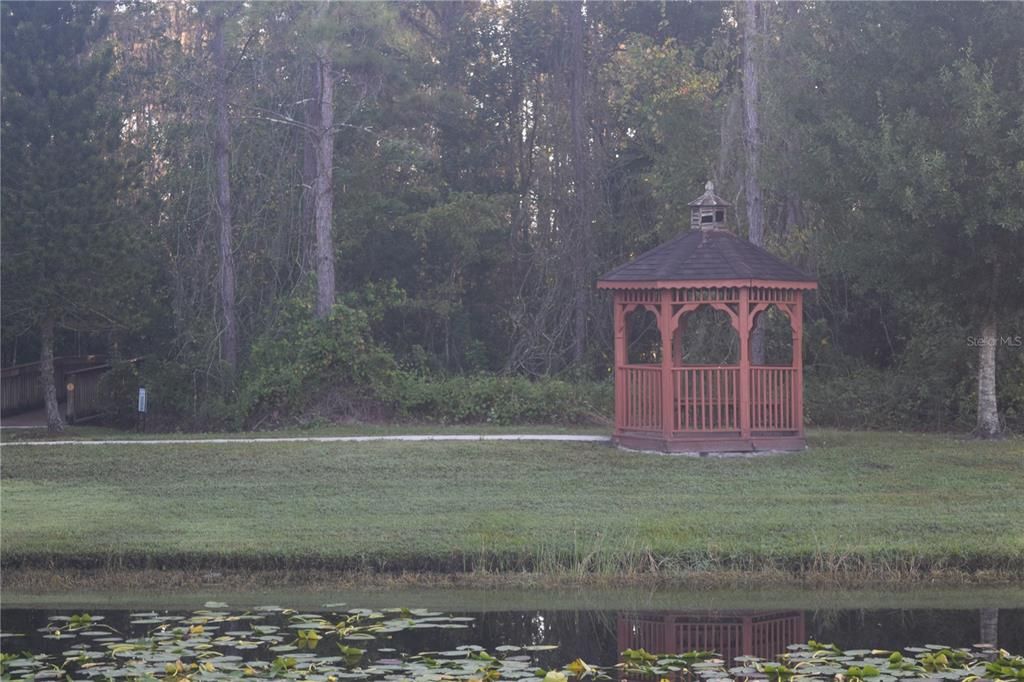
[(598, 636)]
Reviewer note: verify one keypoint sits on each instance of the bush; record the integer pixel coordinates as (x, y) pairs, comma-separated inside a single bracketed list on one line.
[(178, 396), (118, 391), (933, 388), (504, 400), (897, 399), (303, 361)]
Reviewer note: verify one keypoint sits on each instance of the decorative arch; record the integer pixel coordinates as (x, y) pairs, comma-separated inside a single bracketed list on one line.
[(695, 333), (643, 341), (780, 327)]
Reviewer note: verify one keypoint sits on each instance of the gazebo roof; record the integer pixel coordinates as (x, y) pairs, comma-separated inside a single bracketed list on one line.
[(704, 255)]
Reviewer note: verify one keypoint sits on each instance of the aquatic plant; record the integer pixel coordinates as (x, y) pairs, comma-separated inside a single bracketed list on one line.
[(270, 642)]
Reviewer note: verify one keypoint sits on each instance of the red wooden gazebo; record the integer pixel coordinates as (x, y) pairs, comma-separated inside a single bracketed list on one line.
[(672, 406)]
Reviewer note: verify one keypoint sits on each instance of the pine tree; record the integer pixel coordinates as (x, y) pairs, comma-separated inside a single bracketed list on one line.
[(69, 256)]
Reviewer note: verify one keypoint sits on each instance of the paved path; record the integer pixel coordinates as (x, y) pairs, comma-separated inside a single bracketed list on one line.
[(321, 439)]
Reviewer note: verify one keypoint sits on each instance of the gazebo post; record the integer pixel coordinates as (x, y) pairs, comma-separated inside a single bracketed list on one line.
[(620, 360), (667, 388), (744, 333), (798, 361), (677, 341)]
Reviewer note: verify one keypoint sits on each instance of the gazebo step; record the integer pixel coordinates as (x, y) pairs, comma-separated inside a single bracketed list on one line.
[(710, 442)]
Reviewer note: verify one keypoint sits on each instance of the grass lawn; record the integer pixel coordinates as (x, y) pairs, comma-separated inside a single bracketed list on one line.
[(886, 505)]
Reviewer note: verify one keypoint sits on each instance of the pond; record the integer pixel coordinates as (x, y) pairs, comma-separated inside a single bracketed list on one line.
[(348, 641)]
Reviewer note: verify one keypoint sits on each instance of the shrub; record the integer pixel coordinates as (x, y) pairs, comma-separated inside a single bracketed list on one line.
[(504, 400), (303, 360)]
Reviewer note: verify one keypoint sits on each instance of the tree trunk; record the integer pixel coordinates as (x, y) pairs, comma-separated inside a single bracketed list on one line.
[(581, 246), (988, 411), (728, 135), (54, 422), (323, 192), (752, 145), (309, 169), (989, 627), (222, 151)]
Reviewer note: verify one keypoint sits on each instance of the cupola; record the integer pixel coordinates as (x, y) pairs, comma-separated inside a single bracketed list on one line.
[(709, 211)]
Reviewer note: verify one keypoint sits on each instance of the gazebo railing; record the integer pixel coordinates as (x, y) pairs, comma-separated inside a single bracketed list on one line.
[(773, 399), (764, 634), (707, 398), (641, 399)]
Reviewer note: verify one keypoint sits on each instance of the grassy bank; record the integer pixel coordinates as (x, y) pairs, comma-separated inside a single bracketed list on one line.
[(855, 507), (451, 596)]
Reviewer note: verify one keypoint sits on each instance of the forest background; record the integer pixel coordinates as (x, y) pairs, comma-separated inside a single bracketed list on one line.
[(295, 213)]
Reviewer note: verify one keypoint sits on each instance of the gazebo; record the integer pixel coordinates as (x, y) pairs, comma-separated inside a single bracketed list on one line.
[(669, 405), (764, 634)]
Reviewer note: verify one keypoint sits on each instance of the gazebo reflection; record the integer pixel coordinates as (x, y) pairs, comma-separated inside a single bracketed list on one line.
[(764, 634)]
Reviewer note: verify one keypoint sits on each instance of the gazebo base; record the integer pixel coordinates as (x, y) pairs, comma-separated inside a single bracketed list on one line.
[(727, 442)]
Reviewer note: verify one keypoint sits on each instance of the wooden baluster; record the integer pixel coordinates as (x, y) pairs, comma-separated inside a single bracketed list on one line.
[(647, 400), (775, 398), (642, 376), (718, 398), (763, 384), (677, 404), (686, 398), (703, 400), (641, 415)]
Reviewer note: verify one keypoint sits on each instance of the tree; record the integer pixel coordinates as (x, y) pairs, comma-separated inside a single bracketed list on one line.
[(913, 134), (348, 50), (70, 256), (323, 192), (752, 146), (222, 163), (581, 259)]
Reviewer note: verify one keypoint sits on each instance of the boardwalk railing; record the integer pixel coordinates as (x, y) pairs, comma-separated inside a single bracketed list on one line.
[(84, 392), (22, 390)]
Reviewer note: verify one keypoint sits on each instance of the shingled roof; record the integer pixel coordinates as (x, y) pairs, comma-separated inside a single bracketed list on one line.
[(700, 255)]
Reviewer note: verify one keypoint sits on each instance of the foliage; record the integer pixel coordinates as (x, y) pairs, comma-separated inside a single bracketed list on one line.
[(664, 103), (504, 400), (71, 253), (299, 360)]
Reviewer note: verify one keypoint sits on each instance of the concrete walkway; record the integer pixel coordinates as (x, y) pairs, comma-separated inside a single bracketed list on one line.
[(322, 439)]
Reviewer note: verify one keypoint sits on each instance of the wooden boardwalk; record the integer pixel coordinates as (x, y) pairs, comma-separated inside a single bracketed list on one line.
[(76, 379)]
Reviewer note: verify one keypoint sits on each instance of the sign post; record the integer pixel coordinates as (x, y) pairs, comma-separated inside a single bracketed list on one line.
[(142, 409)]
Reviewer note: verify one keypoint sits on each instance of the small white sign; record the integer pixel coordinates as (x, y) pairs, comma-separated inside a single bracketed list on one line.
[(142, 399)]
